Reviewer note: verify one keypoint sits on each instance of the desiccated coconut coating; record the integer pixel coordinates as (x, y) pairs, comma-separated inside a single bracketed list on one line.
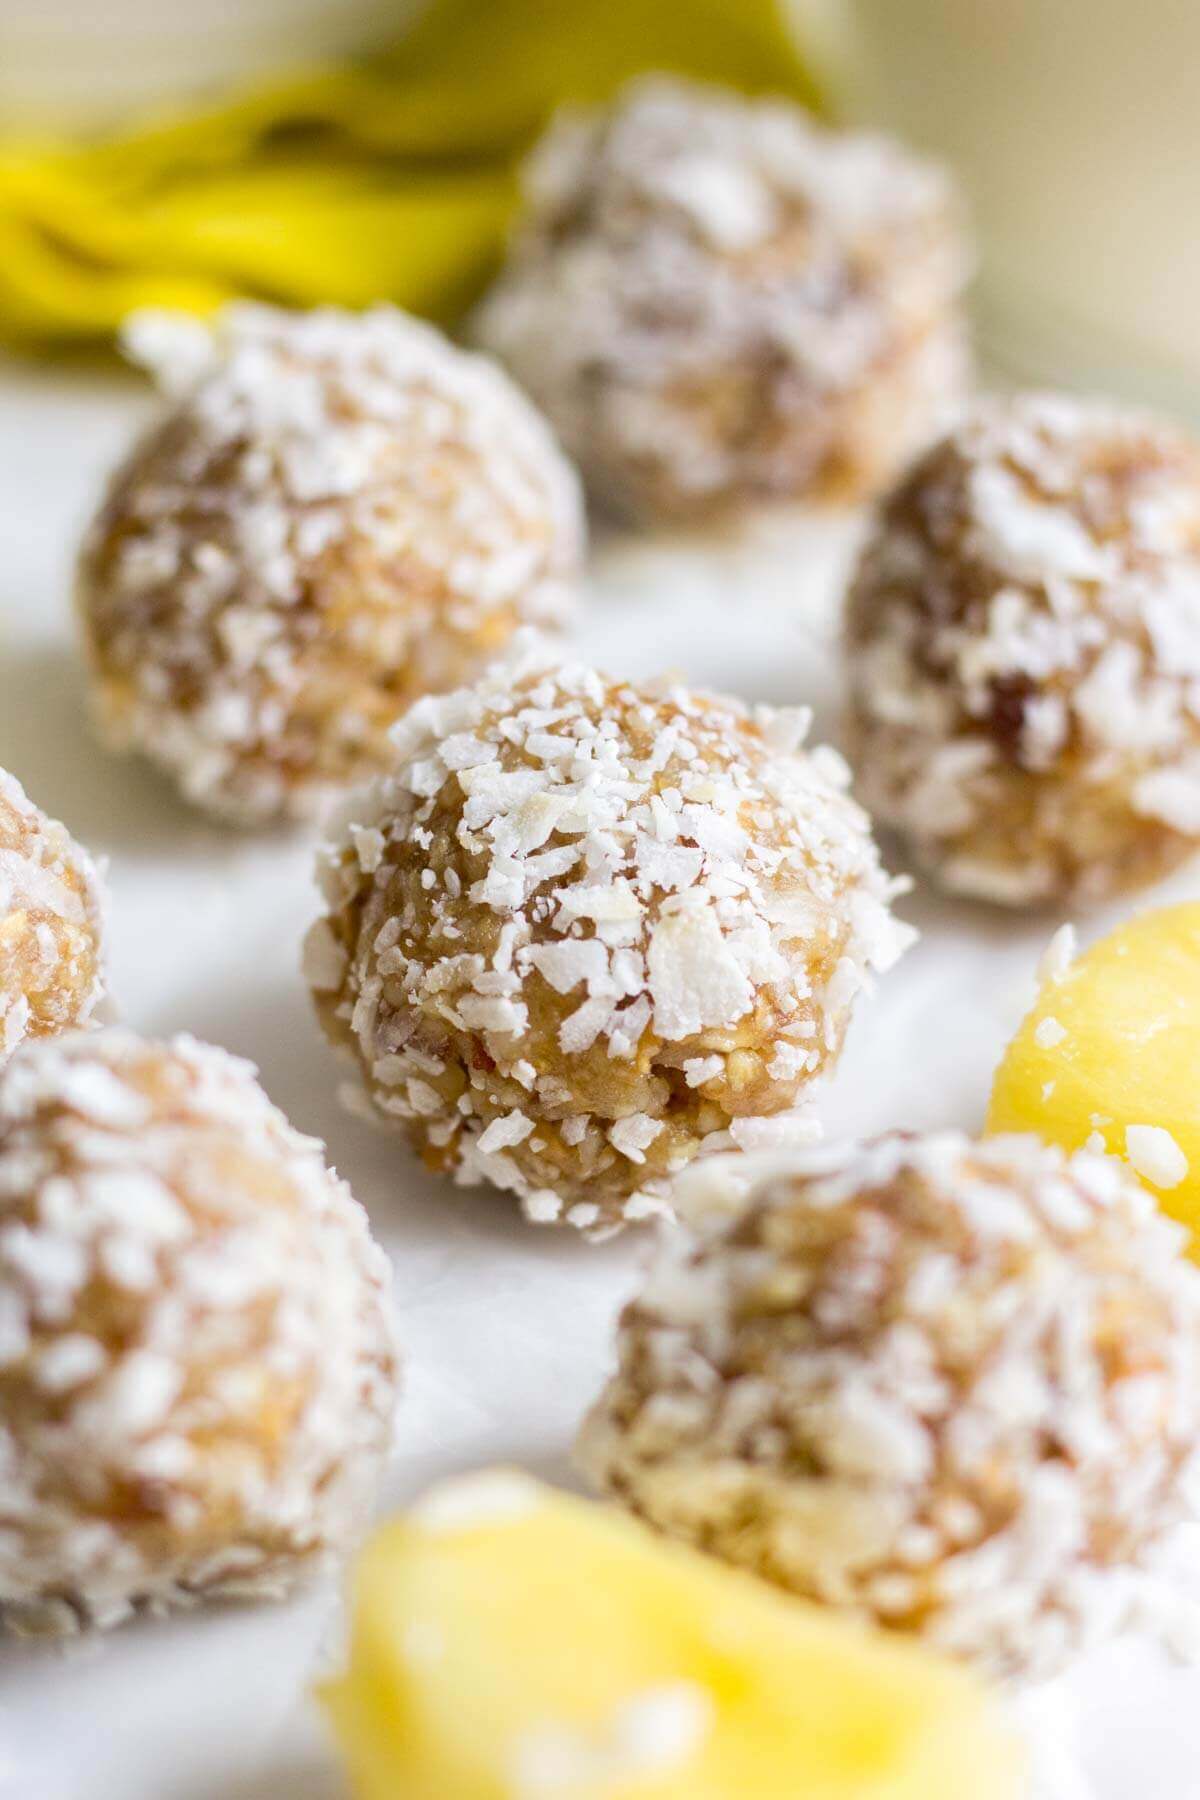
[(338, 513), (1024, 653), (585, 929), (51, 923), (952, 1385), (719, 303), (197, 1374)]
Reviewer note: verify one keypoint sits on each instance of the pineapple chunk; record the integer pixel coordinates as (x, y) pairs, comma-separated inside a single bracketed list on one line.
[(1108, 1057), (512, 1643)]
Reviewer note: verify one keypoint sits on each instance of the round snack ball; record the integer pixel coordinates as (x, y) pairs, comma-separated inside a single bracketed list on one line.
[(952, 1385), (585, 929), (52, 906), (337, 514), (197, 1373), (720, 304), (1024, 653)]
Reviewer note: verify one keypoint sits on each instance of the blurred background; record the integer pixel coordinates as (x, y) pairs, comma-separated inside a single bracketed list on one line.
[(356, 149)]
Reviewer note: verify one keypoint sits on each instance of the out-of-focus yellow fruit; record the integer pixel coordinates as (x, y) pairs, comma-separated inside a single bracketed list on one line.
[(1109, 1057), (511, 1643)]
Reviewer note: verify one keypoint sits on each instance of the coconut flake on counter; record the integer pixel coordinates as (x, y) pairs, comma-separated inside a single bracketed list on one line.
[(1059, 954)]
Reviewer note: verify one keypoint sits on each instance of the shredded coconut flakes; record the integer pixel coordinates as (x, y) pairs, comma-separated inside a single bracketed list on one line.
[(718, 301), (340, 512), (1024, 652), (954, 1385), (237, 1370), (1154, 1154), (633, 1014)]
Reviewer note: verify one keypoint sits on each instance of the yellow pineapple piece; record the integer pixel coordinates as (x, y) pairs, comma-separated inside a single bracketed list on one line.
[(1108, 1057), (512, 1643)]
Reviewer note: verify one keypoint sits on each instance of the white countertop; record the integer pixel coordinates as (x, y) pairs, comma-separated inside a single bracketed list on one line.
[(505, 1328)]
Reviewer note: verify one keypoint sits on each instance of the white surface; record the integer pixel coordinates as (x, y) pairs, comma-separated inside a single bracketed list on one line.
[(71, 63), (1072, 125), (505, 1328)]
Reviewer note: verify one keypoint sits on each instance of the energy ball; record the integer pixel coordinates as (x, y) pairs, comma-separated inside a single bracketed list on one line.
[(585, 929), (52, 906), (949, 1385), (337, 514), (1024, 653), (721, 305), (197, 1374)]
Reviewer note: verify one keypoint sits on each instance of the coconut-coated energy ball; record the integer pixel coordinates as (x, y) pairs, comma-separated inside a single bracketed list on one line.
[(585, 929), (947, 1384), (720, 304), (197, 1373), (52, 906), (336, 514), (1024, 653)]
